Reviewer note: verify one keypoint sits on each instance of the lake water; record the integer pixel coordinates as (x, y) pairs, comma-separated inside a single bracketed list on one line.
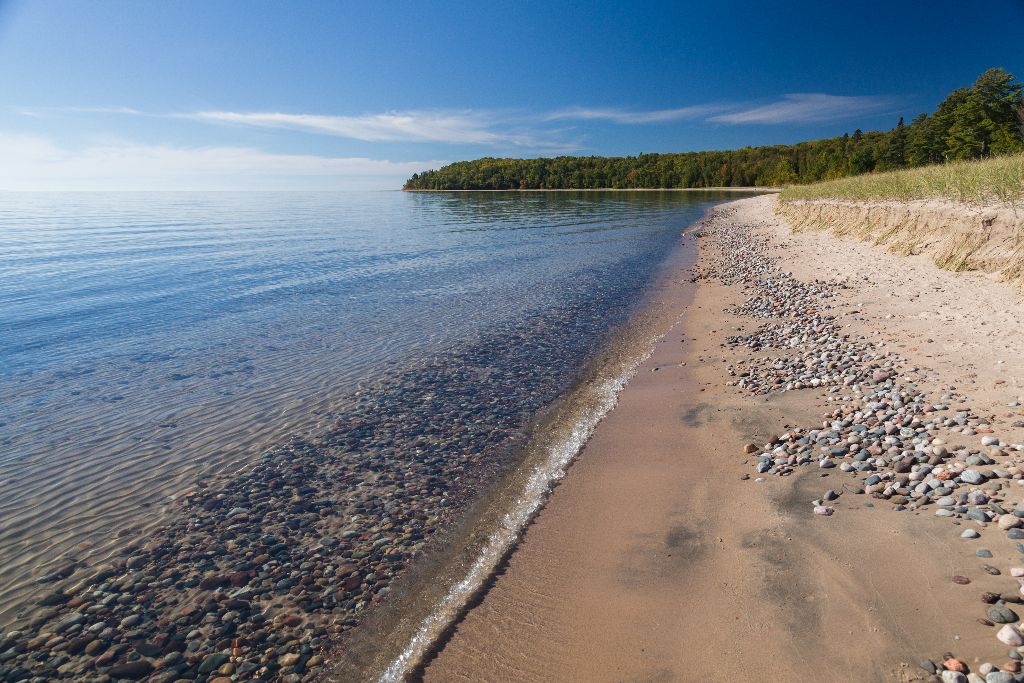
[(149, 341)]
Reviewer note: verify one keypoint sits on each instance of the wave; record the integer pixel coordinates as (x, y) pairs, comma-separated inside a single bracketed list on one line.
[(581, 414)]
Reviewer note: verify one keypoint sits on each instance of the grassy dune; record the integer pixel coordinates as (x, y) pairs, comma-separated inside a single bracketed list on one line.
[(965, 216), (982, 182)]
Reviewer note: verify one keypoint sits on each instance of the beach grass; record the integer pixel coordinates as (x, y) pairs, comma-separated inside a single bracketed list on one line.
[(978, 182)]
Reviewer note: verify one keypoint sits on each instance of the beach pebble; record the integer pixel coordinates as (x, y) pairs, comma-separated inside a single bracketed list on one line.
[(213, 662), (1002, 614), (134, 671), (972, 477), (999, 677), (130, 621), (1007, 522), (1009, 635)]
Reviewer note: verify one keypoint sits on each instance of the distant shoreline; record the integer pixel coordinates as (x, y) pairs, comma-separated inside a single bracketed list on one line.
[(621, 189)]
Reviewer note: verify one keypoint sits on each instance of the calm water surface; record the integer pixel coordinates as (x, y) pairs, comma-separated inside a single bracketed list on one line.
[(150, 339)]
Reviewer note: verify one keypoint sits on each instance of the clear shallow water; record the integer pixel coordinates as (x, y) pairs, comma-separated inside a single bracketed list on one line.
[(147, 340)]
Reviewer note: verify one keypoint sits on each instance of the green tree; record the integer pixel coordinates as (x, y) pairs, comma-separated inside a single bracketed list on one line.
[(924, 145), (986, 117), (893, 153)]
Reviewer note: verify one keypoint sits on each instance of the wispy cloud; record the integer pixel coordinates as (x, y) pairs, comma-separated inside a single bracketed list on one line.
[(806, 108), (36, 163), (461, 127), (43, 111), (510, 131), (627, 116), (530, 131), (635, 117)]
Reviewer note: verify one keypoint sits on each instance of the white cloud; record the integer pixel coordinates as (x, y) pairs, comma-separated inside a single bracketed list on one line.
[(626, 116), (467, 126), (39, 112), (35, 163), (806, 108), (462, 127)]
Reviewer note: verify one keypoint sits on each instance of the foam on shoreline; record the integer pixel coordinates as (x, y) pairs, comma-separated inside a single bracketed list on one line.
[(566, 446)]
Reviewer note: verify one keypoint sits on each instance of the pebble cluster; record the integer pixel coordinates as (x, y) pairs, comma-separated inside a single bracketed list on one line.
[(895, 444), (260, 574), (804, 345)]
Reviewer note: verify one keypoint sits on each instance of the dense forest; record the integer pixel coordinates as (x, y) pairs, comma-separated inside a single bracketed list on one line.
[(986, 119)]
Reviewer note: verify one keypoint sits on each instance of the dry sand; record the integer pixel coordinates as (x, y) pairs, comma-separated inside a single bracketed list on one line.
[(953, 235), (654, 561)]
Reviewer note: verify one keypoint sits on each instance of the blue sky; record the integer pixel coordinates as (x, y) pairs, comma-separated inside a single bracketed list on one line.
[(337, 95)]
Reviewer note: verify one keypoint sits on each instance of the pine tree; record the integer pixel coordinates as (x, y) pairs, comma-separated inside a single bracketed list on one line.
[(922, 147), (894, 151), (987, 117)]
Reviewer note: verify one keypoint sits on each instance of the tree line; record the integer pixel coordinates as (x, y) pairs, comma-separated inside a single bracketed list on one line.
[(985, 119)]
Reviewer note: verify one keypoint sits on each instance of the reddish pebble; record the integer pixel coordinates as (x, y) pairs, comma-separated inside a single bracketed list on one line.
[(953, 664), (239, 579), (962, 580)]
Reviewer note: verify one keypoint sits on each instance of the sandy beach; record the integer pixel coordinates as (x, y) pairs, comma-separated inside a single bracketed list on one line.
[(683, 543), (553, 343)]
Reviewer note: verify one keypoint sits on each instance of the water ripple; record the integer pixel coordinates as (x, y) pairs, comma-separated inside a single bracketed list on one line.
[(148, 340)]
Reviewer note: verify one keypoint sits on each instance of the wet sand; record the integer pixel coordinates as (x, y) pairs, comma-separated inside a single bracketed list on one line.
[(655, 561), (395, 641)]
